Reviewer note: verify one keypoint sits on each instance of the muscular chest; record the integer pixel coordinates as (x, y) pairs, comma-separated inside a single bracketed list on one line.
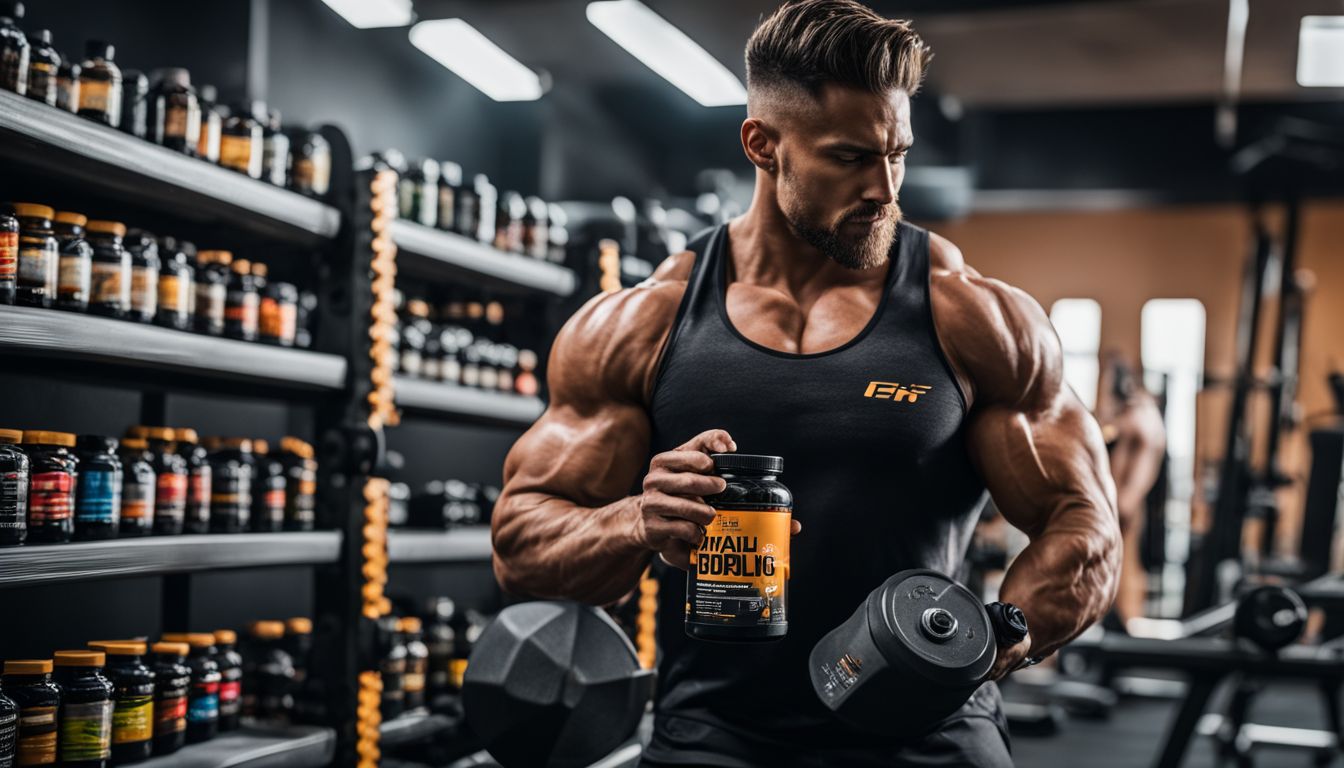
[(772, 319)]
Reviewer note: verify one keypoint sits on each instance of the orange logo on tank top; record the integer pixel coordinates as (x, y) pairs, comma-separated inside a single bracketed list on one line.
[(890, 390)]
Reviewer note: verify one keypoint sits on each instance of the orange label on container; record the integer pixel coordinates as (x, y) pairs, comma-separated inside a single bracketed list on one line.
[(236, 152), (94, 95), (9, 255), (739, 574), (37, 736)]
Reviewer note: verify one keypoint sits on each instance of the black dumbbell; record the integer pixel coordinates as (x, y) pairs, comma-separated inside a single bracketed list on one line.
[(1270, 617), (912, 654), (554, 685)]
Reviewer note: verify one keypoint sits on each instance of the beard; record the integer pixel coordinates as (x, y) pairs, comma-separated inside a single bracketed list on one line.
[(863, 251)]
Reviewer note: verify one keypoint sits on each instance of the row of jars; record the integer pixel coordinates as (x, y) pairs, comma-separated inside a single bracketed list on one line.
[(57, 487), (64, 260), (162, 107), (462, 344), (116, 704)]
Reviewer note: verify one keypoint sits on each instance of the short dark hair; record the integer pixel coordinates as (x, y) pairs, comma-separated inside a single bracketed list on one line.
[(814, 42)]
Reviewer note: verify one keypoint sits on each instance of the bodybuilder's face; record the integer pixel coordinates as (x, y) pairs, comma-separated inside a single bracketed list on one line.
[(841, 164)]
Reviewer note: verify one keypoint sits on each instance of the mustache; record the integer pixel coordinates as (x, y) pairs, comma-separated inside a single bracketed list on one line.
[(871, 211)]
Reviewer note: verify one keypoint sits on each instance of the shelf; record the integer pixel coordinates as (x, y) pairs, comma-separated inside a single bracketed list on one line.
[(412, 728), (256, 747), (88, 338), (425, 250), (81, 561), (460, 545), (63, 147), (459, 403)]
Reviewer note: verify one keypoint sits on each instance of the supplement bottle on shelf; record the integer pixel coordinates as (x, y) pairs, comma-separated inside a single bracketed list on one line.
[(51, 486), (100, 84), (298, 643), (300, 484), (278, 313), (536, 239), (39, 255), (509, 211), (199, 476), (303, 337), (172, 684), (441, 642), (171, 482), (415, 330), (268, 490), (144, 250), (417, 663), (9, 731), (241, 137), (268, 674), (13, 489), (311, 171), (85, 732), (392, 668), (14, 49), (203, 701), (110, 286), (134, 103), (230, 679), (274, 151), (174, 112), (419, 193), (212, 124), (212, 285), (176, 285), (467, 216), (98, 488), (133, 702), (232, 468), (138, 488), (44, 67), (28, 684), (450, 185), (558, 232), (67, 85), (75, 271), (9, 257), (242, 304), (486, 197)]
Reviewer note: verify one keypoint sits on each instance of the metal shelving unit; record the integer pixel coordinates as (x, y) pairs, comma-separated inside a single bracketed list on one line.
[(458, 403), (460, 545), (256, 747), (430, 251)]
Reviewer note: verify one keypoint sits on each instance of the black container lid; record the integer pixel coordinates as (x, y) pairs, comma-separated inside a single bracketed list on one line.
[(11, 10), (253, 109), (98, 443), (770, 465), (178, 76), (42, 36), (99, 49)]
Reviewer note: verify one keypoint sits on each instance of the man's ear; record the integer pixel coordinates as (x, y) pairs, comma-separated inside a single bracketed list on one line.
[(759, 143)]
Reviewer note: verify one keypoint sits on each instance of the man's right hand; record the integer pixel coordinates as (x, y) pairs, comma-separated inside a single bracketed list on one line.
[(673, 512)]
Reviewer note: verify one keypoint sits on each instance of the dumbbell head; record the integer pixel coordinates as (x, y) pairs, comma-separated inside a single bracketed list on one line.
[(1271, 617), (553, 684)]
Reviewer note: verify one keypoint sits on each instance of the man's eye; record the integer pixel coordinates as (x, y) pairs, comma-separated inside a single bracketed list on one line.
[(849, 159)]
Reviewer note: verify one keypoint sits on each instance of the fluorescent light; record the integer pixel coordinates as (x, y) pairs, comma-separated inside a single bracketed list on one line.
[(367, 14), (1320, 52), (667, 51), (460, 47)]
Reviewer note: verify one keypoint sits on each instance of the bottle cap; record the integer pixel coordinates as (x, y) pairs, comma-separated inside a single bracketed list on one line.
[(450, 173), (135, 444), (107, 227), (70, 217), (42, 36), (118, 647), (259, 269), (33, 210), (268, 630), (234, 443), (409, 624), (97, 443), (226, 636), (186, 435), (214, 257), (177, 76), (242, 266), (100, 49), (170, 648), (10, 436), (299, 625), (28, 667), (79, 658), (417, 308), (200, 639), (297, 447), (161, 434), (11, 10), (750, 462), (175, 637), (40, 437), (261, 447)]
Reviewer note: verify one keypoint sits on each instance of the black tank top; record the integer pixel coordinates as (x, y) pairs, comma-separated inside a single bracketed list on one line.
[(873, 438)]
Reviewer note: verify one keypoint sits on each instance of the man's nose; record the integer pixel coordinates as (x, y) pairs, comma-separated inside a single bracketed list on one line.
[(885, 183)]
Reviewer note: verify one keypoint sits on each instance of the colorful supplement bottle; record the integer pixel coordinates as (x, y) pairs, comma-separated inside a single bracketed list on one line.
[(242, 306), (737, 584), (100, 84), (417, 662), (278, 314), (310, 172), (172, 686), (199, 477), (44, 66), (67, 85), (51, 486), (9, 731), (85, 735), (9, 257), (110, 283), (75, 272), (268, 673), (240, 143), (171, 482), (98, 488), (268, 490), (14, 49), (138, 488), (212, 285), (230, 679), (203, 701), (144, 250), (176, 285), (134, 103), (232, 468), (13, 489), (28, 683), (132, 702), (39, 255), (174, 112), (300, 484)]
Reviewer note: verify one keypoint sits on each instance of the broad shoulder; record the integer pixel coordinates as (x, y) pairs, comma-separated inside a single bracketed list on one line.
[(998, 338), (609, 348)]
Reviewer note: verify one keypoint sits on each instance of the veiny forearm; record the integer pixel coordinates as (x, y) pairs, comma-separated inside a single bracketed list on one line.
[(549, 547), (1067, 577)]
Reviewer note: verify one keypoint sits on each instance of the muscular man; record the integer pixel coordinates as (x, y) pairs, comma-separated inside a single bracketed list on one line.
[(897, 383)]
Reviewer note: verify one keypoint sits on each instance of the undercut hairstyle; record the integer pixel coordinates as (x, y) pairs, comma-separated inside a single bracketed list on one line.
[(812, 43)]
